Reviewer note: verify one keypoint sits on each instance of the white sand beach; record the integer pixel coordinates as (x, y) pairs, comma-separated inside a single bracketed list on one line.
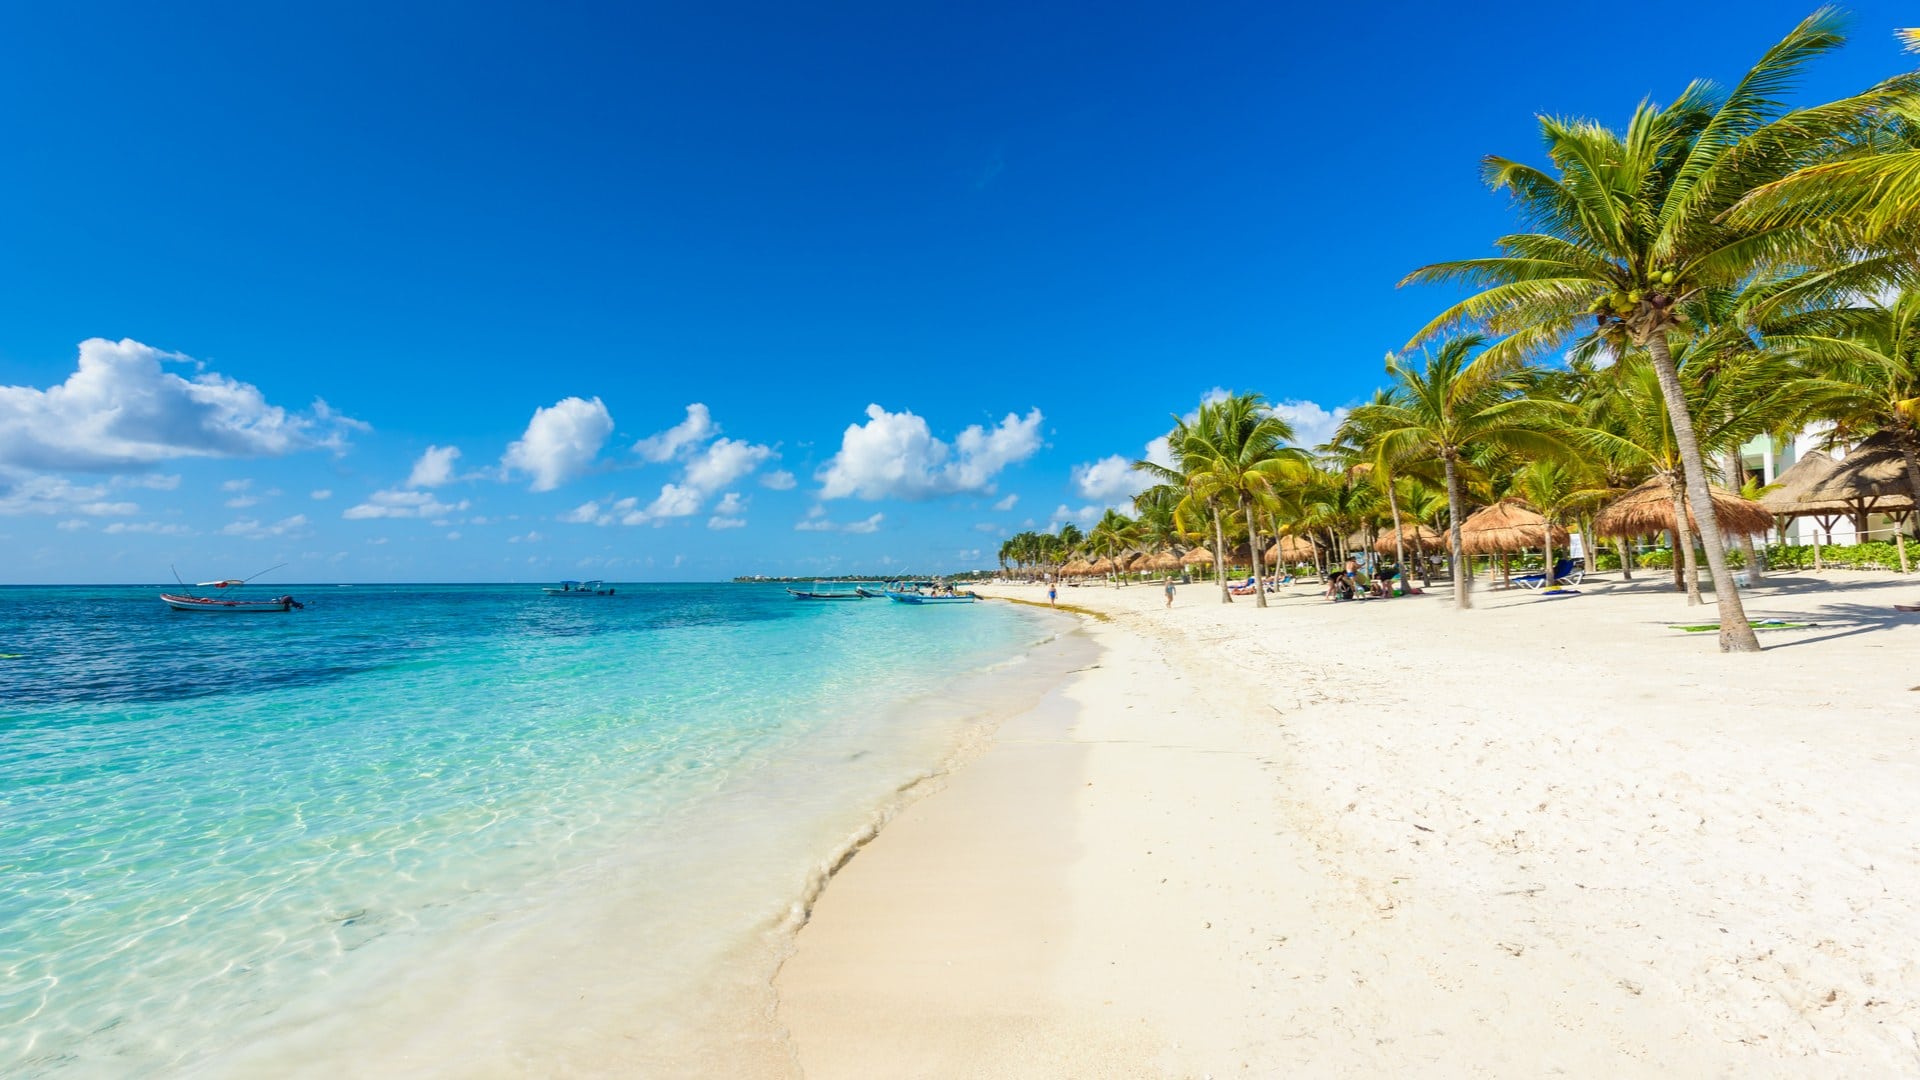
[(1545, 837)]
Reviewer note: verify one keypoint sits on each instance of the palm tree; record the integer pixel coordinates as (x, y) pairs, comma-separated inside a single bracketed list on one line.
[(1869, 356), (1113, 536), (1235, 455), (1451, 406), (1633, 226)]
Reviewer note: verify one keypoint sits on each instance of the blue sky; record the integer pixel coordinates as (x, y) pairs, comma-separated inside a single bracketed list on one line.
[(750, 288)]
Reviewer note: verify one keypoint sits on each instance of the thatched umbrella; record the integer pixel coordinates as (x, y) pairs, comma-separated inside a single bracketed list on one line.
[(1197, 557), (1649, 509), (1165, 561), (1506, 527), (1788, 499), (1415, 536), (1101, 565), (1076, 568)]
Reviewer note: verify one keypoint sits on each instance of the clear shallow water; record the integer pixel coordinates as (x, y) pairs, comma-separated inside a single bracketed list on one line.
[(213, 827)]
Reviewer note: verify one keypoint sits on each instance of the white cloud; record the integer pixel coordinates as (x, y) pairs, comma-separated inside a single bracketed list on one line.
[(1312, 424), (527, 538), (121, 407), (455, 535), (434, 468), (322, 494), (697, 428), (895, 455), (587, 513), (727, 515), (155, 482), (988, 527), (402, 504), (724, 462), (778, 480), (1160, 452), (1062, 514), (1007, 503), (1112, 477), (73, 523), (560, 442), (40, 494), (151, 527), (241, 502), (675, 500), (250, 529), (816, 524), (236, 485)]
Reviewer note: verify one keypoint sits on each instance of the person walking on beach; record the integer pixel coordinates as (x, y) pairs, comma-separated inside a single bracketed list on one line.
[(1169, 592), (1053, 593)]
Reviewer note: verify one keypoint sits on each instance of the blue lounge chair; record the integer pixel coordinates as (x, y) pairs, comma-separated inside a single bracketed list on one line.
[(1566, 571)]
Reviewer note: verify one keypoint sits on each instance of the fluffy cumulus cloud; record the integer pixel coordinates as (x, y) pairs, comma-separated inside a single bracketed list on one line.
[(1312, 424), (723, 462), (697, 428), (895, 455), (322, 494), (1007, 503), (1084, 516), (434, 468), (727, 514), (38, 494), (122, 407), (1112, 477), (708, 464), (561, 441), (821, 524), (402, 504), (778, 480)]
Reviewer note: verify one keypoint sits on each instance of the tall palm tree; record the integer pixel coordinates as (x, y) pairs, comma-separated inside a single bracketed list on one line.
[(1236, 455), (1633, 225), (1112, 536), (1451, 406)]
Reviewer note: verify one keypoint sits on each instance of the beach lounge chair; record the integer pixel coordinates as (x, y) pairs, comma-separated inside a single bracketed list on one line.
[(1566, 571)]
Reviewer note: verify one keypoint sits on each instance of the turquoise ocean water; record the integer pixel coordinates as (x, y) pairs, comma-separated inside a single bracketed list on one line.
[(222, 833)]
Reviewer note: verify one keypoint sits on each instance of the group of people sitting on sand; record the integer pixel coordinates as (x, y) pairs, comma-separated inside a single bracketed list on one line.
[(1348, 582)]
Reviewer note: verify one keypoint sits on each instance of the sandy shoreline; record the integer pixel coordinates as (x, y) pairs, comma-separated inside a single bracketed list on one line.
[(1373, 838)]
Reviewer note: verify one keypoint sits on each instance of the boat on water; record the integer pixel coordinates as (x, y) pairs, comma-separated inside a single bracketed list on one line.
[(223, 602), (928, 592), (580, 588), (871, 594)]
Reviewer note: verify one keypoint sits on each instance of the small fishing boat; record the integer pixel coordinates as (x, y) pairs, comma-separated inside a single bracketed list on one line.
[(580, 588), (871, 594), (821, 594), (185, 600), (927, 592), (235, 605)]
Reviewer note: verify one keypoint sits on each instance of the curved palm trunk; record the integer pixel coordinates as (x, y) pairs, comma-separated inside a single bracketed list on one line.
[(1459, 555), (1219, 557), (1589, 544), (1253, 554), (1546, 534), (1686, 575), (1736, 633), (1399, 537), (1737, 476), (1909, 449)]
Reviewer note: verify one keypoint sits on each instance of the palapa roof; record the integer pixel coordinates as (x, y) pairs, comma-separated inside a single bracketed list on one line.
[(1510, 525), (1648, 509), (1077, 566), (1873, 473), (1787, 499), (1101, 566), (1417, 535), (1196, 557), (1166, 560)]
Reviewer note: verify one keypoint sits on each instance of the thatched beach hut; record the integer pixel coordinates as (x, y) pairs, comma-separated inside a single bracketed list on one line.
[(1506, 527), (1197, 557), (1871, 479), (1648, 509), (1414, 536)]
